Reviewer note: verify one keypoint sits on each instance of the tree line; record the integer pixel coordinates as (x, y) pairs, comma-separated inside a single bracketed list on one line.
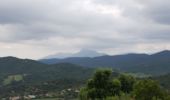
[(103, 86)]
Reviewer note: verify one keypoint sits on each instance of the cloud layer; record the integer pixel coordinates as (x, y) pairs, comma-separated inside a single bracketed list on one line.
[(36, 28)]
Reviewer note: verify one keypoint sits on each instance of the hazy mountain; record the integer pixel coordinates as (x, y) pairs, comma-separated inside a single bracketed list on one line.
[(81, 53), (87, 53), (158, 63)]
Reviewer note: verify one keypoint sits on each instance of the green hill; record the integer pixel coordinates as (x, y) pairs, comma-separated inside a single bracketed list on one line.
[(25, 76)]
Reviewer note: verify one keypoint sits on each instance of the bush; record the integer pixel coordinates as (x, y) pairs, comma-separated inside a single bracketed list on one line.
[(147, 90)]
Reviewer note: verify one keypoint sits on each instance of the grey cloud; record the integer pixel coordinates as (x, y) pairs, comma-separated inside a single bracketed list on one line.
[(95, 24), (34, 21), (157, 10)]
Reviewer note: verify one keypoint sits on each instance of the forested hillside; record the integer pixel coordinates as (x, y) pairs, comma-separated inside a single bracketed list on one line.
[(24, 76), (155, 64)]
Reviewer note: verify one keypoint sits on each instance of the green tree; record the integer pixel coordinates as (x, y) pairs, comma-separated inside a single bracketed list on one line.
[(101, 86), (116, 87), (122, 97), (147, 90), (83, 94), (127, 83)]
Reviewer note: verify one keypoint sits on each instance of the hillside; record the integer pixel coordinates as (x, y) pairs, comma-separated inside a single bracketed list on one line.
[(13, 66), (156, 64), (27, 75)]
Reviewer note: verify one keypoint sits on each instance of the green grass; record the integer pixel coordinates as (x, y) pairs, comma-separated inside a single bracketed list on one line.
[(12, 78)]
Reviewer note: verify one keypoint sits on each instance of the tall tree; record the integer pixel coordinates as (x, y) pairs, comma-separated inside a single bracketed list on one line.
[(127, 83), (101, 86)]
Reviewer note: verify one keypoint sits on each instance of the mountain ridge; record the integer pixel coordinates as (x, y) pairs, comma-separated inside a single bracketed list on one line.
[(81, 53), (148, 63)]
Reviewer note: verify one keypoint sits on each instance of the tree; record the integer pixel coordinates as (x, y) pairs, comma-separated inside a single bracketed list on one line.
[(101, 86), (116, 87), (127, 83), (147, 90), (83, 94)]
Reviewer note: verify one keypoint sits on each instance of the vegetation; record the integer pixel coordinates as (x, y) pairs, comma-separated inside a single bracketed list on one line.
[(164, 80), (148, 90), (24, 77), (102, 86), (12, 78), (127, 83)]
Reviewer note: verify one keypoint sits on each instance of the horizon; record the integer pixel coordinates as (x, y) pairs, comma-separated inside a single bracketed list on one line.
[(86, 56), (35, 29)]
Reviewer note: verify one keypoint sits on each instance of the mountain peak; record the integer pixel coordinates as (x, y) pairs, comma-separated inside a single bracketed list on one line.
[(87, 53), (81, 53)]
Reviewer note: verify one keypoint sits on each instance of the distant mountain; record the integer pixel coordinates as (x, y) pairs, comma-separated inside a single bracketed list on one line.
[(81, 53), (87, 53), (158, 63)]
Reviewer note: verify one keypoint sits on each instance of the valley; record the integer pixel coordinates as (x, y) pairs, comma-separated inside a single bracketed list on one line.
[(33, 79)]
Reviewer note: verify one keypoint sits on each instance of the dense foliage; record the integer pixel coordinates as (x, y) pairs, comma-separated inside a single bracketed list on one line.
[(102, 86), (148, 90)]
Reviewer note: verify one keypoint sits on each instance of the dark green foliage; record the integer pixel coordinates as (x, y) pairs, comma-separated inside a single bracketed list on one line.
[(101, 86), (127, 83), (116, 87), (147, 90)]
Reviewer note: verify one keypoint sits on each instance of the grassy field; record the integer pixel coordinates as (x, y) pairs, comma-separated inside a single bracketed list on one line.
[(12, 78)]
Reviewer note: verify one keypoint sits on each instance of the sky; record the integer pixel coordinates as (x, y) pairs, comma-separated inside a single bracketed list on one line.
[(37, 28)]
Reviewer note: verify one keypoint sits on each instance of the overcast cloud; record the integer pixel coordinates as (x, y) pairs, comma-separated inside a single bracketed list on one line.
[(36, 28)]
